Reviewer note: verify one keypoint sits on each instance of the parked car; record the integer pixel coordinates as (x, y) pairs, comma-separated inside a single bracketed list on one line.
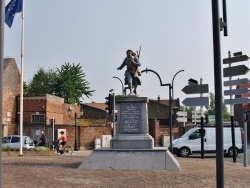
[(13, 141)]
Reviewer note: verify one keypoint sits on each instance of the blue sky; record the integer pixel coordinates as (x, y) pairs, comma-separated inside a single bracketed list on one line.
[(174, 35)]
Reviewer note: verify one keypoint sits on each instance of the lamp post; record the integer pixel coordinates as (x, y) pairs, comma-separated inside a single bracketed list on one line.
[(173, 83), (75, 146), (75, 117), (123, 91), (170, 106)]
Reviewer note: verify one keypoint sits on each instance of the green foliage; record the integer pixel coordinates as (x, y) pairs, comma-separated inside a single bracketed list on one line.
[(211, 108), (189, 110), (26, 88), (71, 83), (43, 82), (6, 148), (67, 82)]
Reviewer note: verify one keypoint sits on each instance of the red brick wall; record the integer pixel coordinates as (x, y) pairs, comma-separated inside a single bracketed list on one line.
[(157, 131), (85, 135), (32, 107), (11, 88)]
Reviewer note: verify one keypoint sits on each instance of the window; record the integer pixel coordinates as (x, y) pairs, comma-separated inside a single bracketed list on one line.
[(197, 134), (15, 139), (37, 118), (6, 140)]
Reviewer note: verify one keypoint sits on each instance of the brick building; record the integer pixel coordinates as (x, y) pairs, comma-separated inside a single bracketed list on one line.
[(239, 108), (11, 88), (39, 110)]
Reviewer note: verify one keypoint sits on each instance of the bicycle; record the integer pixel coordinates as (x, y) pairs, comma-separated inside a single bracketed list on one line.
[(67, 150)]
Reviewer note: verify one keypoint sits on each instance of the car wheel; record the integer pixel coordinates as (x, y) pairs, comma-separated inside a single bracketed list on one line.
[(184, 152), (230, 152)]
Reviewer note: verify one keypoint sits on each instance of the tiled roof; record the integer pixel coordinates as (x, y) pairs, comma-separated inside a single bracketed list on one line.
[(101, 106), (166, 102)]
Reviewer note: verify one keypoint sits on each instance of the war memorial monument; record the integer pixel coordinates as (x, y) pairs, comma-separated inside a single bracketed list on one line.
[(131, 147)]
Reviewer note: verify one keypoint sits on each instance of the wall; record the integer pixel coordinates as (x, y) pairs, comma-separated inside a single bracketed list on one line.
[(11, 88)]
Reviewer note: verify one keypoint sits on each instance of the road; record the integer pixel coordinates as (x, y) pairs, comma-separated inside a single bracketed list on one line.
[(239, 158)]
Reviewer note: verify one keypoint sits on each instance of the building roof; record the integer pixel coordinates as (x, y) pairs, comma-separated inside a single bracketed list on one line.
[(100, 106)]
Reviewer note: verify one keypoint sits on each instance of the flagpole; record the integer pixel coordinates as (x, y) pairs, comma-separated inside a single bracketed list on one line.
[(2, 16), (21, 92)]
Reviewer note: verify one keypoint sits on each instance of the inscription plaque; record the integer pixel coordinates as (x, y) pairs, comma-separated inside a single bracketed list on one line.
[(130, 118)]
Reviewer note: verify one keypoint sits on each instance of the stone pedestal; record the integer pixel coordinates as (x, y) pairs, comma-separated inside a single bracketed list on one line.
[(131, 148), (131, 159), (132, 120)]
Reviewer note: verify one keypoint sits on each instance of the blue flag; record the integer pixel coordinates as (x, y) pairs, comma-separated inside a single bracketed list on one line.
[(11, 9)]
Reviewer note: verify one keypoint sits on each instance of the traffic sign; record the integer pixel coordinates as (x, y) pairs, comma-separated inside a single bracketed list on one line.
[(196, 101), (236, 82), (194, 89), (196, 116), (236, 100), (181, 113), (235, 59), (236, 91), (196, 112), (182, 119), (235, 71)]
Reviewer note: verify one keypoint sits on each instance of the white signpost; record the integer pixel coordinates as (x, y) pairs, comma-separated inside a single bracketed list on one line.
[(182, 116), (196, 116)]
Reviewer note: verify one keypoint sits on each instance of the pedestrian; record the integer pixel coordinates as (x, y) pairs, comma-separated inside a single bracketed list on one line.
[(42, 139)]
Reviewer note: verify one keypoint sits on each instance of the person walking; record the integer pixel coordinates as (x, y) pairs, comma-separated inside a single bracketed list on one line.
[(42, 139)]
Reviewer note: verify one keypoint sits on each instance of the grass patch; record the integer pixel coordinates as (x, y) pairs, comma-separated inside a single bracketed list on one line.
[(7, 151)]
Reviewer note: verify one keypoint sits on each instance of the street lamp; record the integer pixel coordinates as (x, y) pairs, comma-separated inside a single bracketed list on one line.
[(170, 105), (123, 91), (173, 83), (75, 117)]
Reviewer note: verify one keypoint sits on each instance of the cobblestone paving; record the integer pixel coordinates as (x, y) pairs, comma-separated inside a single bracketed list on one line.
[(61, 171)]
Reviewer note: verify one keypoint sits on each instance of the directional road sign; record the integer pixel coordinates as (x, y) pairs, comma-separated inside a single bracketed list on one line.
[(182, 119), (181, 113), (236, 82), (235, 71), (194, 89), (196, 116), (235, 59), (196, 112), (236, 100), (196, 101), (236, 91)]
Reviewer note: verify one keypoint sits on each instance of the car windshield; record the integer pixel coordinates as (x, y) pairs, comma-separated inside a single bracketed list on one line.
[(187, 133)]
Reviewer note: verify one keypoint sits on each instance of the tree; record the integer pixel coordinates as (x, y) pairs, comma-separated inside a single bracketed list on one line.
[(43, 82), (211, 108), (26, 88), (71, 83), (189, 110)]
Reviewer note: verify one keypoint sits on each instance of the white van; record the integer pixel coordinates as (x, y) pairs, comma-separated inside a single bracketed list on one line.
[(190, 142)]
